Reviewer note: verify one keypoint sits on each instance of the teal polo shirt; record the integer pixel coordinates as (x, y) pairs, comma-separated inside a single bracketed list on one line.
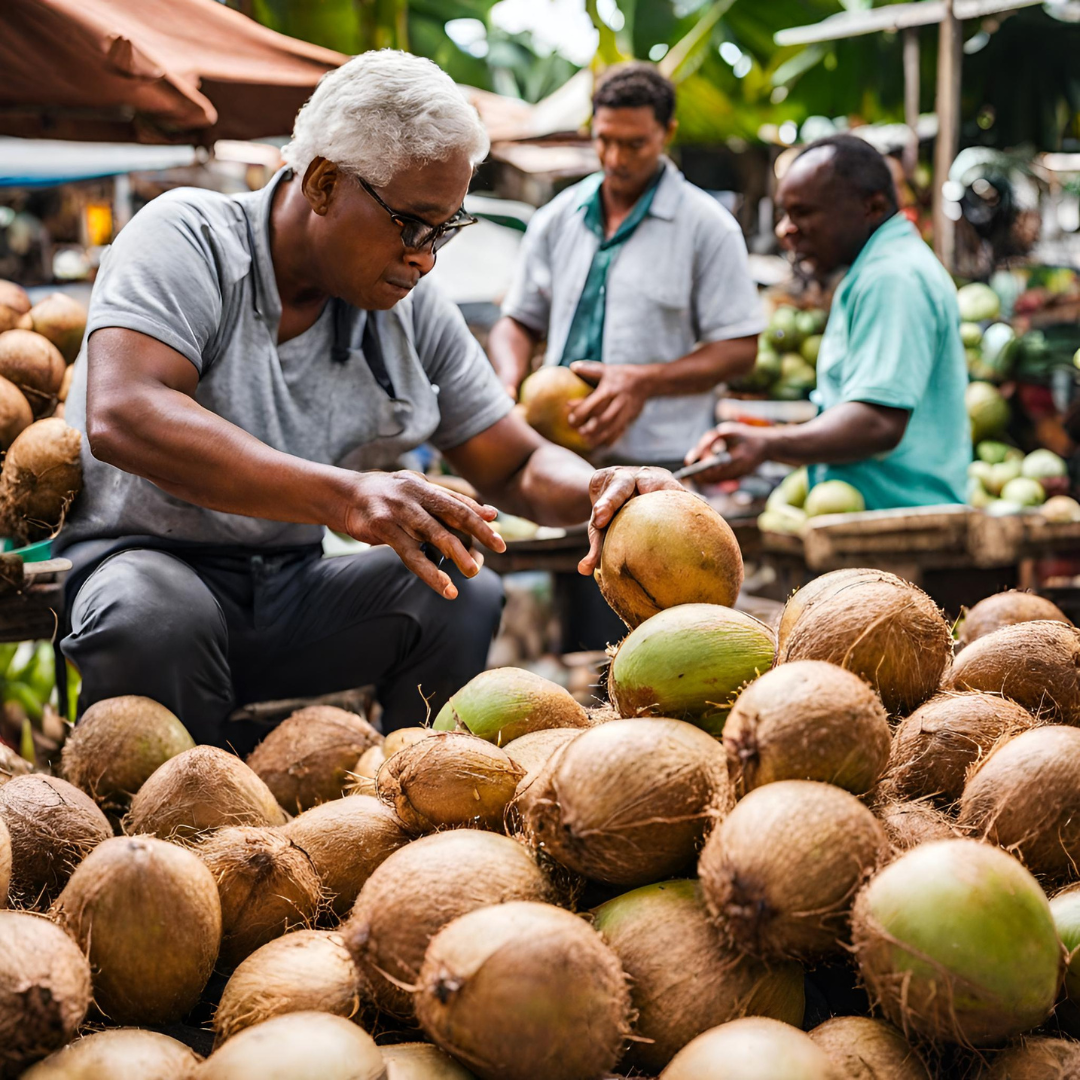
[(585, 339), (893, 338)]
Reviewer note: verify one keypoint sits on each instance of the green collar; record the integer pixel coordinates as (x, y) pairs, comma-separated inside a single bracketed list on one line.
[(592, 202)]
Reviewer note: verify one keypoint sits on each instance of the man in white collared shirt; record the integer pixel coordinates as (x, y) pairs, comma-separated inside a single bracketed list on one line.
[(638, 280)]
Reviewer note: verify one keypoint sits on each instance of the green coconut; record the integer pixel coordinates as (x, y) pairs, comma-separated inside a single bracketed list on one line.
[(684, 979), (44, 989), (148, 916), (987, 410), (1065, 908), (628, 802), (780, 871), (689, 662), (1037, 1058), (524, 991), (1025, 797), (834, 497), (1007, 609), (956, 942), (118, 1054), (117, 745), (505, 703), (808, 720), (422, 1061), (701, 563), (866, 1049), (878, 626), (297, 1046), (752, 1048)]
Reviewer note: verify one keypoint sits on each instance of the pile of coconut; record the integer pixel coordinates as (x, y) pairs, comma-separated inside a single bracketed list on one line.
[(532, 890), (40, 473)]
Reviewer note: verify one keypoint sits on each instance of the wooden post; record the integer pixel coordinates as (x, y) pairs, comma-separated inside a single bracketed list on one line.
[(911, 98), (947, 105)]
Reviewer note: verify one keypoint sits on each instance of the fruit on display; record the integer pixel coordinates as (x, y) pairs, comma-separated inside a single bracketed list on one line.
[(1006, 609), (833, 497), (987, 410), (977, 303)]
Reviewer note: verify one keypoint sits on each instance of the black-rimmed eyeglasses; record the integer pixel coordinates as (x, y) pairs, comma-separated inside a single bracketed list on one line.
[(416, 234)]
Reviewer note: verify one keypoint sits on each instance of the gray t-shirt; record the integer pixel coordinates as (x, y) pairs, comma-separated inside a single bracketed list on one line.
[(193, 270)]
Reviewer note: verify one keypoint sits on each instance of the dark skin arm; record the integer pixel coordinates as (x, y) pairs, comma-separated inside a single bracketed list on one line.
[(622, 389), (142, 417), (852, 431), (510, 347)]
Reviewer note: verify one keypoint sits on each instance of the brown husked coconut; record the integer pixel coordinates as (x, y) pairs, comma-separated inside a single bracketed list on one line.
[(548, 396), (781, 870), (304, 970), (44, 989), (11, 763), (1007, 609), (403, 737), (308, 758), (524, 991), (808, 720), (910, 822), (1037, 1058), (119, 1054), (61, 319), (200, 790), (41, 477), (665, 548), (369, 762), (447, 781), (34, 364), (628, 802), (267, 885), (118, 744), (422, 1061), (15, 413), (800, 598), (416, 891), (1025, 797), (878, 626), (5, 863), (865, 1049), (684, 979), (532, 752), (14, 307), (52, 826), (345, 840), (65, 386), (752, 1048), (1037, 664), (148, 916), (297, 1046), (936, 745)]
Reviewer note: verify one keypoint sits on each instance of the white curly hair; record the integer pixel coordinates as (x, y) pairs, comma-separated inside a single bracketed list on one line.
[(382, 111)]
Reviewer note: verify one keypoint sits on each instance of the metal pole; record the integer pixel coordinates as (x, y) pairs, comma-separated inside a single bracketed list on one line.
[(947, 105), (911, 98)]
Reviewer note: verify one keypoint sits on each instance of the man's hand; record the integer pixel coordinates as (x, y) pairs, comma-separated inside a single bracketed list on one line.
[(747, 445), (608, 490), (617, 401), (404, 510)]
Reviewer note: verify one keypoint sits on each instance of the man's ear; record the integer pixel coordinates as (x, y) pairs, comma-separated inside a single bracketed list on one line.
[(320, 183), (878, 206), (669, 134)]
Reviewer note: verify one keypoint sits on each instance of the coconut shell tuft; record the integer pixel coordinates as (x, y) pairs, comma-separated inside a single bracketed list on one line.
[(119, 1054), (200, 790), (1038, 1058), (308, 758), (910, 822), (52, 826), (702, 563), (422, 1061), (448, 781), (628, 802), (1007, 609), (878, 626), (41, 477), (808, 720), (866, 1049), (1025, 797), (684, 979), (304, 970), (345, 840), (780, 872), (118, 744), (936, 745), (1037, 664), (266, 883), (524, 991), (416, 891), (148, 916), (956, 942), (44, 989)]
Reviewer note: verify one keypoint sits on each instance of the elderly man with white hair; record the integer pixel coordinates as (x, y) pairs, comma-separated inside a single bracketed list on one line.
[(253, 365)]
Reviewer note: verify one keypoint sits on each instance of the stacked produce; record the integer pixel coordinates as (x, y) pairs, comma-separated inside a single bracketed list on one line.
[(1004, 480), (786, 364), (536, 891), (793, 502)]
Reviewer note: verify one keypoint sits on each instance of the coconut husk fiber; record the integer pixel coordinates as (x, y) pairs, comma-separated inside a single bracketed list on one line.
[(1037, 1058), (867, 1049), (910, 822), (1007, 609), (34, 365), (41, 477)]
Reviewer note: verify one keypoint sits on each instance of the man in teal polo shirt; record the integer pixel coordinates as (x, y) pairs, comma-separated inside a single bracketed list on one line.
[(891, 372)]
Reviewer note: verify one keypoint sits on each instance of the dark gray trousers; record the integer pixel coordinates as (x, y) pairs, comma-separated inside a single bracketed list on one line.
[(205, 633)]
